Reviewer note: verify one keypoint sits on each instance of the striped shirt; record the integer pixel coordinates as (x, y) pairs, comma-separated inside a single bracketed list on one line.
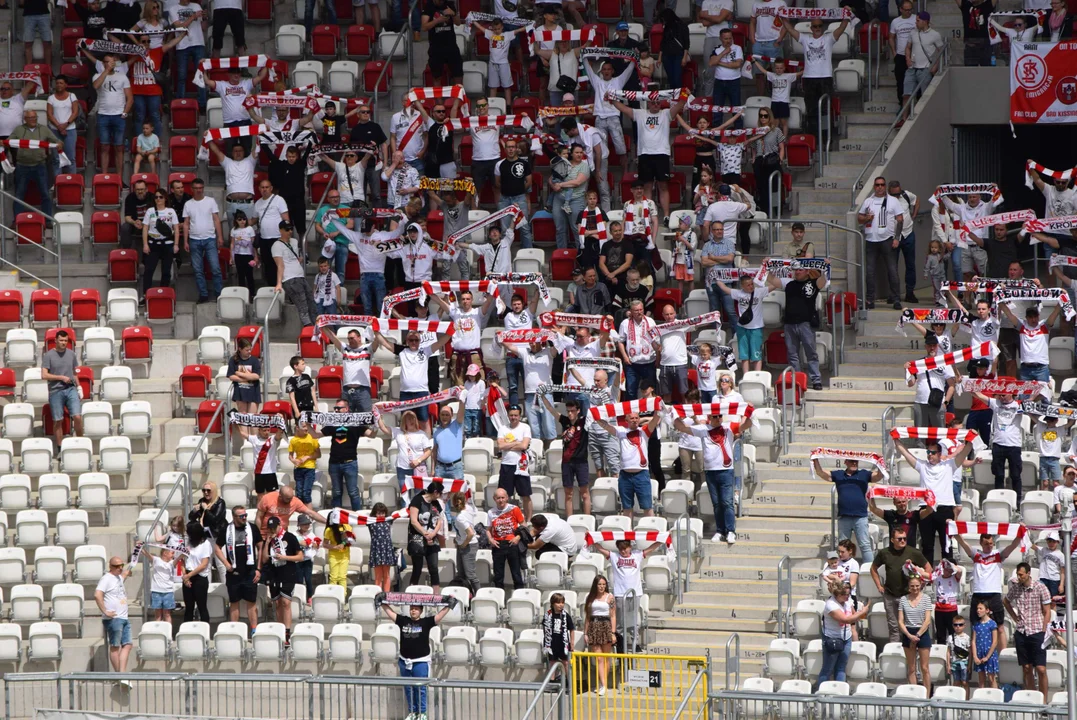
[(914, 616)]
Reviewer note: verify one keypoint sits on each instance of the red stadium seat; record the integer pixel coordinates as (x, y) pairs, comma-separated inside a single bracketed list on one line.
[(466, 148), (45, 306), (184, 177), (360, 41), (377, 378), (626, 186), (352, 271), (309, 348), (11, 305), (136, 344), (835, 305), (183, 152), (204, 420), (609, 10), (69, 38), (277, 407), (615, 158), (248, 332), (800, 151), (371, 71), (320, 183), (105, 227), (324, 40), (562, 263), (880, 31), (80, 152), (195, 381), (677, 184), (122, 266), (330, 382), (740, 33), (663, 297), (796, 382), (30, 227), (84, 305), (542, 229), (69, 190), (78, 76), (525, 104), (45, 71), (161, 305), (106, 190), (50, 337), (85, 378), (46, 421), (7, 383), (344, 8), (435, 224), (684, 150), (656, 39), (183, 115), (151, 180), (259, 12), (535, 195), (774, 349)]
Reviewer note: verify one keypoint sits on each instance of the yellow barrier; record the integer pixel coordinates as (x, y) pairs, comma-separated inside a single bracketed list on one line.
[(638, 687)]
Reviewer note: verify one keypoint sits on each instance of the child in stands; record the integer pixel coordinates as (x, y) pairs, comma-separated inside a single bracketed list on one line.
[(382, 553)]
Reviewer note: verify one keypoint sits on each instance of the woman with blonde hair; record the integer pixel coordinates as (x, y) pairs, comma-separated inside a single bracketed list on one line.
[(413, 448), (600, 619)]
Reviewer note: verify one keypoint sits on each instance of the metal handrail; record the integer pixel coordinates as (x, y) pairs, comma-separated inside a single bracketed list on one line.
[(775, 699), (389, 62), (682, 535), (541, 692), (632, 597), (784, 584), (833, 517), (689, 695), (4, 229), (1071, 666), (267, 368), (889, 413), (774, 200), (942, 57), (822, 157), (788, 398), (30, 274), (873, 34), (732, 660)]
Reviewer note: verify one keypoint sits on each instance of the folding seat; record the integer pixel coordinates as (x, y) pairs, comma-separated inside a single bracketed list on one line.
[(343, 75), (807, 619), (495, 648), (861, 665), (323, 45), (330, 381), (195, 382), (230, 642), (20, 349), (161, 305), (372, 71), (999, 506), (31, 528), (551, 570), (98, 346), (205, 420), (11, 307), (528, 651), (50, 565), (117, 383), (214, 343), (106, 190), (232, 304), (459, 646), (91, 563), (68, 601), (192, 642), (892, 664), (911, 692), (529, 261), (136, 345), (72, 527), (478, 455), (94, 491), (76, 455), (30, 228), (36, 457), (46, 307), (812, 658), (328, 603), (359, 41), (385, 644), (69, 191), (54, 491), (676, 498), (263, 304), (7, 456), (307, 640), (46, 642), (361, 606), (345, 644), (26, 604), (122, 306), (756, 709), (10, 643), (163, 489), (488, 607), (1037, 507), (782, 658), (657, 575), (15, 492), (523, 607), (114, 455), (183, 116), (155, 642), (604, 496)]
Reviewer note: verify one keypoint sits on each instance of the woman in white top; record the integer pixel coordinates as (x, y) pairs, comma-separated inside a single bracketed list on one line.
[(600, 619), (196, 573), (63, 111), (413, 447), (564, 62), (158, 246), (838, 619), (467, 542), (152, 22), (1022, 30), (349, 177)]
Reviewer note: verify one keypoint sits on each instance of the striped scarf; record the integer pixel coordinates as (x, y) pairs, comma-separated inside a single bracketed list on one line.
[(1002, 386), (451, 485), (959, 435), (444, 287), (904, 493), (466, 185), (602, 323), (704, 319), (986, 528), (732, 136), (238, 63), (339, 516), (611, 411), (515, 278), (874, 458), (1040, 170), (455, 92), (9, 167), (640, 536), (1043, 295), (599, 219), (967, 189), (413, 325), (404, 296), (525, 335), (983, 350), (1050, 226), (486, 121), (741, 409), (431, 399)]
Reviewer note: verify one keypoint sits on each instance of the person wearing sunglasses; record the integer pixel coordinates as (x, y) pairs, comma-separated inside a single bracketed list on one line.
[(160, 241), (900, 559), (818, 64), (937, 475), (111, 598), (369, 133), (882, 219)]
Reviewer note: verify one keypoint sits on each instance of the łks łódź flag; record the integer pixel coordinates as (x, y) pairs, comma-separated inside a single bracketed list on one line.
[(1043, 82)]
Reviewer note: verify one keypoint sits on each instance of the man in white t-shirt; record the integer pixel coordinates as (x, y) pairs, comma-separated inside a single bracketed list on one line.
[(238, 179), (634, 478), (1061, 199), (265, 216), (901, 29), (1034, 337), (635, 345), (718, 438), (234, 91), (192, 47), (468, 321), (513, 440), (292, 274), (11, 105), (538, 371), (941, 378), (732, 203), (111, 599), (910, 208), (766, 35), (883, 221), (114, 101), (727, 59), (202, 236), (937, 475), (552, 534), (407, 133), (714, 15), (818, 79), (626, 576), (987, 577), (1006, 440), (974, 258), (653, 147)]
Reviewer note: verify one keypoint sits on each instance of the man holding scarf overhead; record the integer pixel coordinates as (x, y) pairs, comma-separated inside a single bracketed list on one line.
[(937, 474), (634, 478)]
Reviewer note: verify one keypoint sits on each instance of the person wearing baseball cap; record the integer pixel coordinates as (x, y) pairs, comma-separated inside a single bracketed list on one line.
[(292, 274), (623, 41), (941, 379), (1052, 562)]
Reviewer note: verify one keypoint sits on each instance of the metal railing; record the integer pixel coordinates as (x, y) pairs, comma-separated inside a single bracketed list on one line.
[(405, 33), (560, 699), (822, 156), (4, 230), (875, 41), (785, 591), (788, 386), (889, 415), (632, 604), (774, 202), (833, 517), (682, 536), (690, 696), (732, 661), (942, 58)]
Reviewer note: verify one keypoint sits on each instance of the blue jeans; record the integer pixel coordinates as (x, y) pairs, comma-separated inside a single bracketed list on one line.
[(637, 484), (346, 475), (330, 11), (39, 175), (329, 308), (671, 63), (955, 263), (304, 569), (727, 92), (195, 53), (472, 423), (563, 221), (724, 301), (70, 137), (454, 470), (520, 201), (148, 105), (117, 631), (65, 398), (634, 374), (835, 658), (111, 129), (1034, 371), (849, 526), (358, 397), (514, 370), (540, 419), (907, 248), (720, 484), (372, 291), (304, 483), (340, 259), (416, 696), (203, 249)]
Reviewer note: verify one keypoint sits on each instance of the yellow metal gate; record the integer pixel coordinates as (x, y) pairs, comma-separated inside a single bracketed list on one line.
[(637, 687)]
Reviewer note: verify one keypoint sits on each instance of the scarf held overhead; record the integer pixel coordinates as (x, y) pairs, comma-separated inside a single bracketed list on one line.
[(602, 323), (933, 433), (431, 399), (1052, 295), (983, 350), (515, 278), (525, 335), (108, 47), (704, 319), (1050, 226), (1002, 386), (931, 316), (238, 63), (874, 458), (1043, 172), (256, 420), (740, 409), (650, 537), (391, 301), (905, 493), (967, 189), (1048, 410), (338, 419), (621, 409), (444, 287)]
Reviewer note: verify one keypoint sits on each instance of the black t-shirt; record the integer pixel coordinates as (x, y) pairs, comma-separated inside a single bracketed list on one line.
[(178, 203), (573, 440), (94, 24), (975, 17), (909, 522), (999, 255), (619, 65), (241, 546), (345, 440), (439, 144), (135, 208), (428, 514), (514, 174), (615, 252), (301, 385), (333, 128), (415, 636), (800, 301), (443, 36), (36, 7), (285, 573), (624, 296), (368, 132)]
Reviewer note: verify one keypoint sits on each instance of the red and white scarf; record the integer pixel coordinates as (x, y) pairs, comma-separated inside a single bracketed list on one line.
[(965, 228), (954, 527), (431, 399), (238, 63), (639, 342), (1043, 172), (602, 323), (1054, 296), (452, 485), (454, 92), (9, 167), (983, 350), (600, 225), (351, 517), (732, 137), (644, 210), (994, 35), (444, 287), (515, 278), (704, 319), (25, 76), (1003, 386), (489, 121), (986, 285), (741, 409), (650, 537), (1058, 260), (901, 492), (525, 335), (214, 134), (815, 13), (566, 111), (967, 189), (413, 325), (616, 410), (874, 458), (391, 301), (286, 99), (1049, 226), (583, 37), (934, 433), (654, 96), (447, 247), (705, 105), (116, 48)]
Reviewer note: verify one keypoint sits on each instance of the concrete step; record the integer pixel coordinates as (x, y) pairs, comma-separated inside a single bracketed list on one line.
[(841, 170), (810, 196), (821, 509), (861, 424), (852, 157), (885, 119), (750, 546), (880, 105), (834, 183), (689, 619), (896, 341), (726, 607), (860, 396), (836, 405), (727, 586), (893, 358), (794, 524), (867, 133)]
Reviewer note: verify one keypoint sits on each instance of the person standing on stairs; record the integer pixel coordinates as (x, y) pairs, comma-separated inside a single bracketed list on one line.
[(901, 29), (933, 386), (882, 220), (801, 294), (924, 45), (893, 558), (852, 489), (818, 77), (910, 208), (937, 475)]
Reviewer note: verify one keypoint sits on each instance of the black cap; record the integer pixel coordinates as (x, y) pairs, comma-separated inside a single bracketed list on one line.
[(931, 339), (284, 225), (724, 189), (273, 522)]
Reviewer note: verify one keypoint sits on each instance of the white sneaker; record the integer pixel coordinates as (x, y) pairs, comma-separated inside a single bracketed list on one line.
[(411, 716), (717, 537), (602, 691), (731, 538)]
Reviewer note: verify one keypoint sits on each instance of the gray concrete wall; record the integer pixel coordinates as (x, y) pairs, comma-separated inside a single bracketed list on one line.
[(979, 95)]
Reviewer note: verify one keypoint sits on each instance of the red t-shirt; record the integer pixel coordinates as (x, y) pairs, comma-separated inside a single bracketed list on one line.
[(978, 404), (142, 80)]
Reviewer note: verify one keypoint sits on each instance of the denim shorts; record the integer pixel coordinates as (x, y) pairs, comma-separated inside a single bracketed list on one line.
[(1050, 468), (117, 631), (959, 672), (34, 25), (162, 601), (767, 49), (635, 485), (750, 344), (111, 129), (66, 398)]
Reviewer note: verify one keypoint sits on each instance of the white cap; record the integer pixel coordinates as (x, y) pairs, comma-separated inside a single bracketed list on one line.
[(1051, 535)]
